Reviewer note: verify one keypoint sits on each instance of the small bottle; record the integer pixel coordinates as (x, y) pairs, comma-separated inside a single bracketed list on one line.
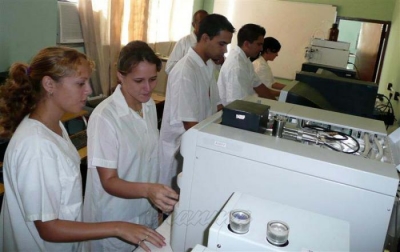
[(333, 33)]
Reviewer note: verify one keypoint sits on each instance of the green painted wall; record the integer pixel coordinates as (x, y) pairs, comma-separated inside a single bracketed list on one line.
[(26, 26), (207, 5), (370, 9), (391, 64), (197, 5)]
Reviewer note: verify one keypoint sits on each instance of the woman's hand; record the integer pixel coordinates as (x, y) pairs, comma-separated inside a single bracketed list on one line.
[(162, 196), (75, 231), (137, 234)]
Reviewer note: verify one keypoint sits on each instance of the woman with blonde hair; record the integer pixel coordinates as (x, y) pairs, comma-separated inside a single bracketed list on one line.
[(42, 205)]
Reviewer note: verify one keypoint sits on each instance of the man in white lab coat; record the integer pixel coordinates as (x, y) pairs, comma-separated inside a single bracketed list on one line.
[(189, 41), (237, 78), (192, 93)]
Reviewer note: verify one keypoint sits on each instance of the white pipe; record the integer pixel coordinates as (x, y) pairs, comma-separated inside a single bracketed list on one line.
[(367, 145), (380, 149)]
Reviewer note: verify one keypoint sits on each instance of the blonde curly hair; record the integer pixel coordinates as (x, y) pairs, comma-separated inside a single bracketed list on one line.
[(23, 88)]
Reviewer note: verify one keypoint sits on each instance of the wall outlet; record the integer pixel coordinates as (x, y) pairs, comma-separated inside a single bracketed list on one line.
[(396, 96)]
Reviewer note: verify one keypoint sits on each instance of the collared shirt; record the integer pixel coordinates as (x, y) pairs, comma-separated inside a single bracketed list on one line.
[(180, 49), (119, 138), (192, 96), (42, 182), (263, 70), (237, 78)]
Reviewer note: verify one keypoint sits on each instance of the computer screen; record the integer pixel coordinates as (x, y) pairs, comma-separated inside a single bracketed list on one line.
[(343, 95)]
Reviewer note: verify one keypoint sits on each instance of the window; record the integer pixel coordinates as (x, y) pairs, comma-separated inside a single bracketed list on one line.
[(169, 20)]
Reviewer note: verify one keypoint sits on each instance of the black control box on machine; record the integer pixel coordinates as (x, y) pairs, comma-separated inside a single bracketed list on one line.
[(246, 115)]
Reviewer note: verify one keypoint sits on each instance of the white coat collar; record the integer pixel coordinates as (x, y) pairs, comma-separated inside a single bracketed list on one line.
[(262, 60), (241, 53), (199, 61), (121, 104)]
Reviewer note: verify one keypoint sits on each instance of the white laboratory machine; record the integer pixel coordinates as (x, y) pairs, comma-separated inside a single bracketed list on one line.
[(201, 248), (272, 226), (332, 164), (330, 53)]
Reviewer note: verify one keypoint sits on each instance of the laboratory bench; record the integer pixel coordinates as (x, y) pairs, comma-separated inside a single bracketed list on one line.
[(283, 80)]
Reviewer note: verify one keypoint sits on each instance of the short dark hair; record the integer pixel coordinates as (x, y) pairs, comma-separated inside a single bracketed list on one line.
[(134, 53), (250, 32), (213, 24), (272, 44), (204, 12)]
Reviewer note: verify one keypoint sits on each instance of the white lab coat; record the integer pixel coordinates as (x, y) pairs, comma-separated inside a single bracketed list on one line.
[(264, 72), (118, 138), (42, 182), (192, 95), (180, 49), (237, 78)]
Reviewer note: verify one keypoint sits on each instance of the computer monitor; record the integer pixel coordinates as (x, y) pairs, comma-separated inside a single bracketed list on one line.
[(338, 71), (343, 95), (326, 73)]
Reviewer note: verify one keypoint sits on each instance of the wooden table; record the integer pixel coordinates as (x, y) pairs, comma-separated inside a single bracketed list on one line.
[(69, 116), (157, 97), (83, 152)]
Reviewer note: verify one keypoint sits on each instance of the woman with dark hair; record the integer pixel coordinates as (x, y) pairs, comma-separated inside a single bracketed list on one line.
[(42, 208), (271, 48), (123, 168)]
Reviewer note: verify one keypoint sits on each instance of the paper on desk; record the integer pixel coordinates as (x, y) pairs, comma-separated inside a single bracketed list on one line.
[(394, 138)]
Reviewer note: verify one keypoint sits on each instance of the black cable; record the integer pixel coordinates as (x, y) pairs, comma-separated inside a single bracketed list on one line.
[(389, 107), (389, 103), (345, 137)]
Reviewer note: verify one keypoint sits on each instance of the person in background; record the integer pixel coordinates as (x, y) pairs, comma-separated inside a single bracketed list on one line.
[(237, 78), (271, 48), (123, 168), (192, 94), (182, 46), (43, 186)]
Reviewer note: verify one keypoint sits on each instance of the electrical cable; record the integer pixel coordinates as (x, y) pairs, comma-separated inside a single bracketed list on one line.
[(385, 108), (335, 137), (343, 151)]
